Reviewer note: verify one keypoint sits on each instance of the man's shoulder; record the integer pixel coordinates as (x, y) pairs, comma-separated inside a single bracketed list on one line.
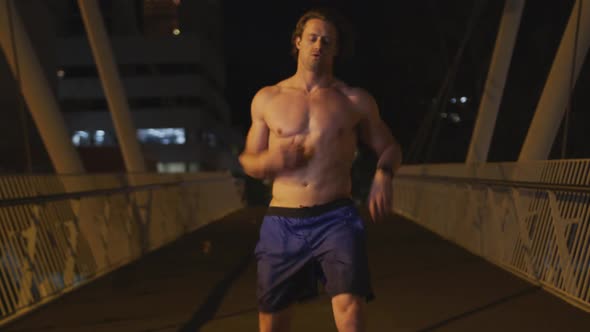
[(355, 94), (264, 95), (267, 92)]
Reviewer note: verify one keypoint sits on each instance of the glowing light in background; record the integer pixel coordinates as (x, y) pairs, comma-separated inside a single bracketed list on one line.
[(99, 137), (81, 137), (164, 136)]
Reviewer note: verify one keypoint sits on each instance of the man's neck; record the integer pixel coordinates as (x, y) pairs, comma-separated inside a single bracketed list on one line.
[(311, 80)]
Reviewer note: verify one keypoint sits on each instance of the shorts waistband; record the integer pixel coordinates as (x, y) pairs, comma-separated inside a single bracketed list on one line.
[(308, 211)]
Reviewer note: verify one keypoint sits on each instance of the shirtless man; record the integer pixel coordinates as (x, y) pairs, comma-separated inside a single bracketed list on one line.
[(303, 137)]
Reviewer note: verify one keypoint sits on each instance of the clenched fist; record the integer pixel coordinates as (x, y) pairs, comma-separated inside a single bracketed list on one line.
[(288, 156)]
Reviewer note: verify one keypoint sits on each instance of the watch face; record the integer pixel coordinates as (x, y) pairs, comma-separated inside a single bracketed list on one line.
[(386, 170)]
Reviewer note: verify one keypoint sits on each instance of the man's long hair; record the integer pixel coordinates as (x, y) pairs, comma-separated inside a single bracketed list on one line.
[(345, 34)]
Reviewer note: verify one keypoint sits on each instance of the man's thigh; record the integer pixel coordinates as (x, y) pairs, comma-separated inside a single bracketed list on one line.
[(283, 273), (343, 258)]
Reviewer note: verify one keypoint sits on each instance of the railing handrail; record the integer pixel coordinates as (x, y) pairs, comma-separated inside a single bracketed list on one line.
[(97, 192), (54, 240), (500, 183)]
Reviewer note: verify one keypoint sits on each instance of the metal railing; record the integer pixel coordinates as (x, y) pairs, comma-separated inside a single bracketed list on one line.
[(529, 218), (60, 232)]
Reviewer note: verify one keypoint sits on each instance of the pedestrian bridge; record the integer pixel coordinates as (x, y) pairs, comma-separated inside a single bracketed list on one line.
[(472, 247)]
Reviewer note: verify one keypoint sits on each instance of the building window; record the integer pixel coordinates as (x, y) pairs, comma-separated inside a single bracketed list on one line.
[(171, 167), (164, 136), (81, 138), (97, 137)]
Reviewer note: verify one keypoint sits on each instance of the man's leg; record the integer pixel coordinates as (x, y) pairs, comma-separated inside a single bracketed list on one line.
[(276, 321), (349, 313)]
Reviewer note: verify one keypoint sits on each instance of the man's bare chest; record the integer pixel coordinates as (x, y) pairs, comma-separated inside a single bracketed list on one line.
[(291, 114)]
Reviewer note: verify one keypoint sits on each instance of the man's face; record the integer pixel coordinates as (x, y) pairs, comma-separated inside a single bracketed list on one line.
[(317, 45)]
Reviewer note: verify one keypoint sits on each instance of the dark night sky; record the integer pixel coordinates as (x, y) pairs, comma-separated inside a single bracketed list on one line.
[(402, 55), (398, 55)]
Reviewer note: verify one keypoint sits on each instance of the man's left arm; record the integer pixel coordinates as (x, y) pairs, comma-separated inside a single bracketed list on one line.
[(375, 134)]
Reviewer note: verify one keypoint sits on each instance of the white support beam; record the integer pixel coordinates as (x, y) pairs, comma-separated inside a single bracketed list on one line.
[(495, 83), (38, 95), (113, 88), (555, 96)]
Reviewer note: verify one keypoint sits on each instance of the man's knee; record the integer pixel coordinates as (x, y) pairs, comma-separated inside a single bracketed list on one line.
[(349, 312), (275, 322), (348, 304)]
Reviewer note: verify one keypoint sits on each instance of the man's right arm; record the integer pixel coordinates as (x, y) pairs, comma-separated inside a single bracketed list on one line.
[(254, 158)]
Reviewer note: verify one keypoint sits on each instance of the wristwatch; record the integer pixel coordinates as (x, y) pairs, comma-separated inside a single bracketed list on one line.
[(386, 170)]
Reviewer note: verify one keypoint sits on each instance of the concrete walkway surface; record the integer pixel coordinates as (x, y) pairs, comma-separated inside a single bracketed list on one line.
[(206, 282)]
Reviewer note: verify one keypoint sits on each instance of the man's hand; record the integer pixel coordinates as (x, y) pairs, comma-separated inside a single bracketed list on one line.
[(287, 156), (381, 196)]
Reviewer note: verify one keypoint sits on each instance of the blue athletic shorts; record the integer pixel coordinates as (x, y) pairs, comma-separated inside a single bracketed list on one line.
[(299, 247)]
